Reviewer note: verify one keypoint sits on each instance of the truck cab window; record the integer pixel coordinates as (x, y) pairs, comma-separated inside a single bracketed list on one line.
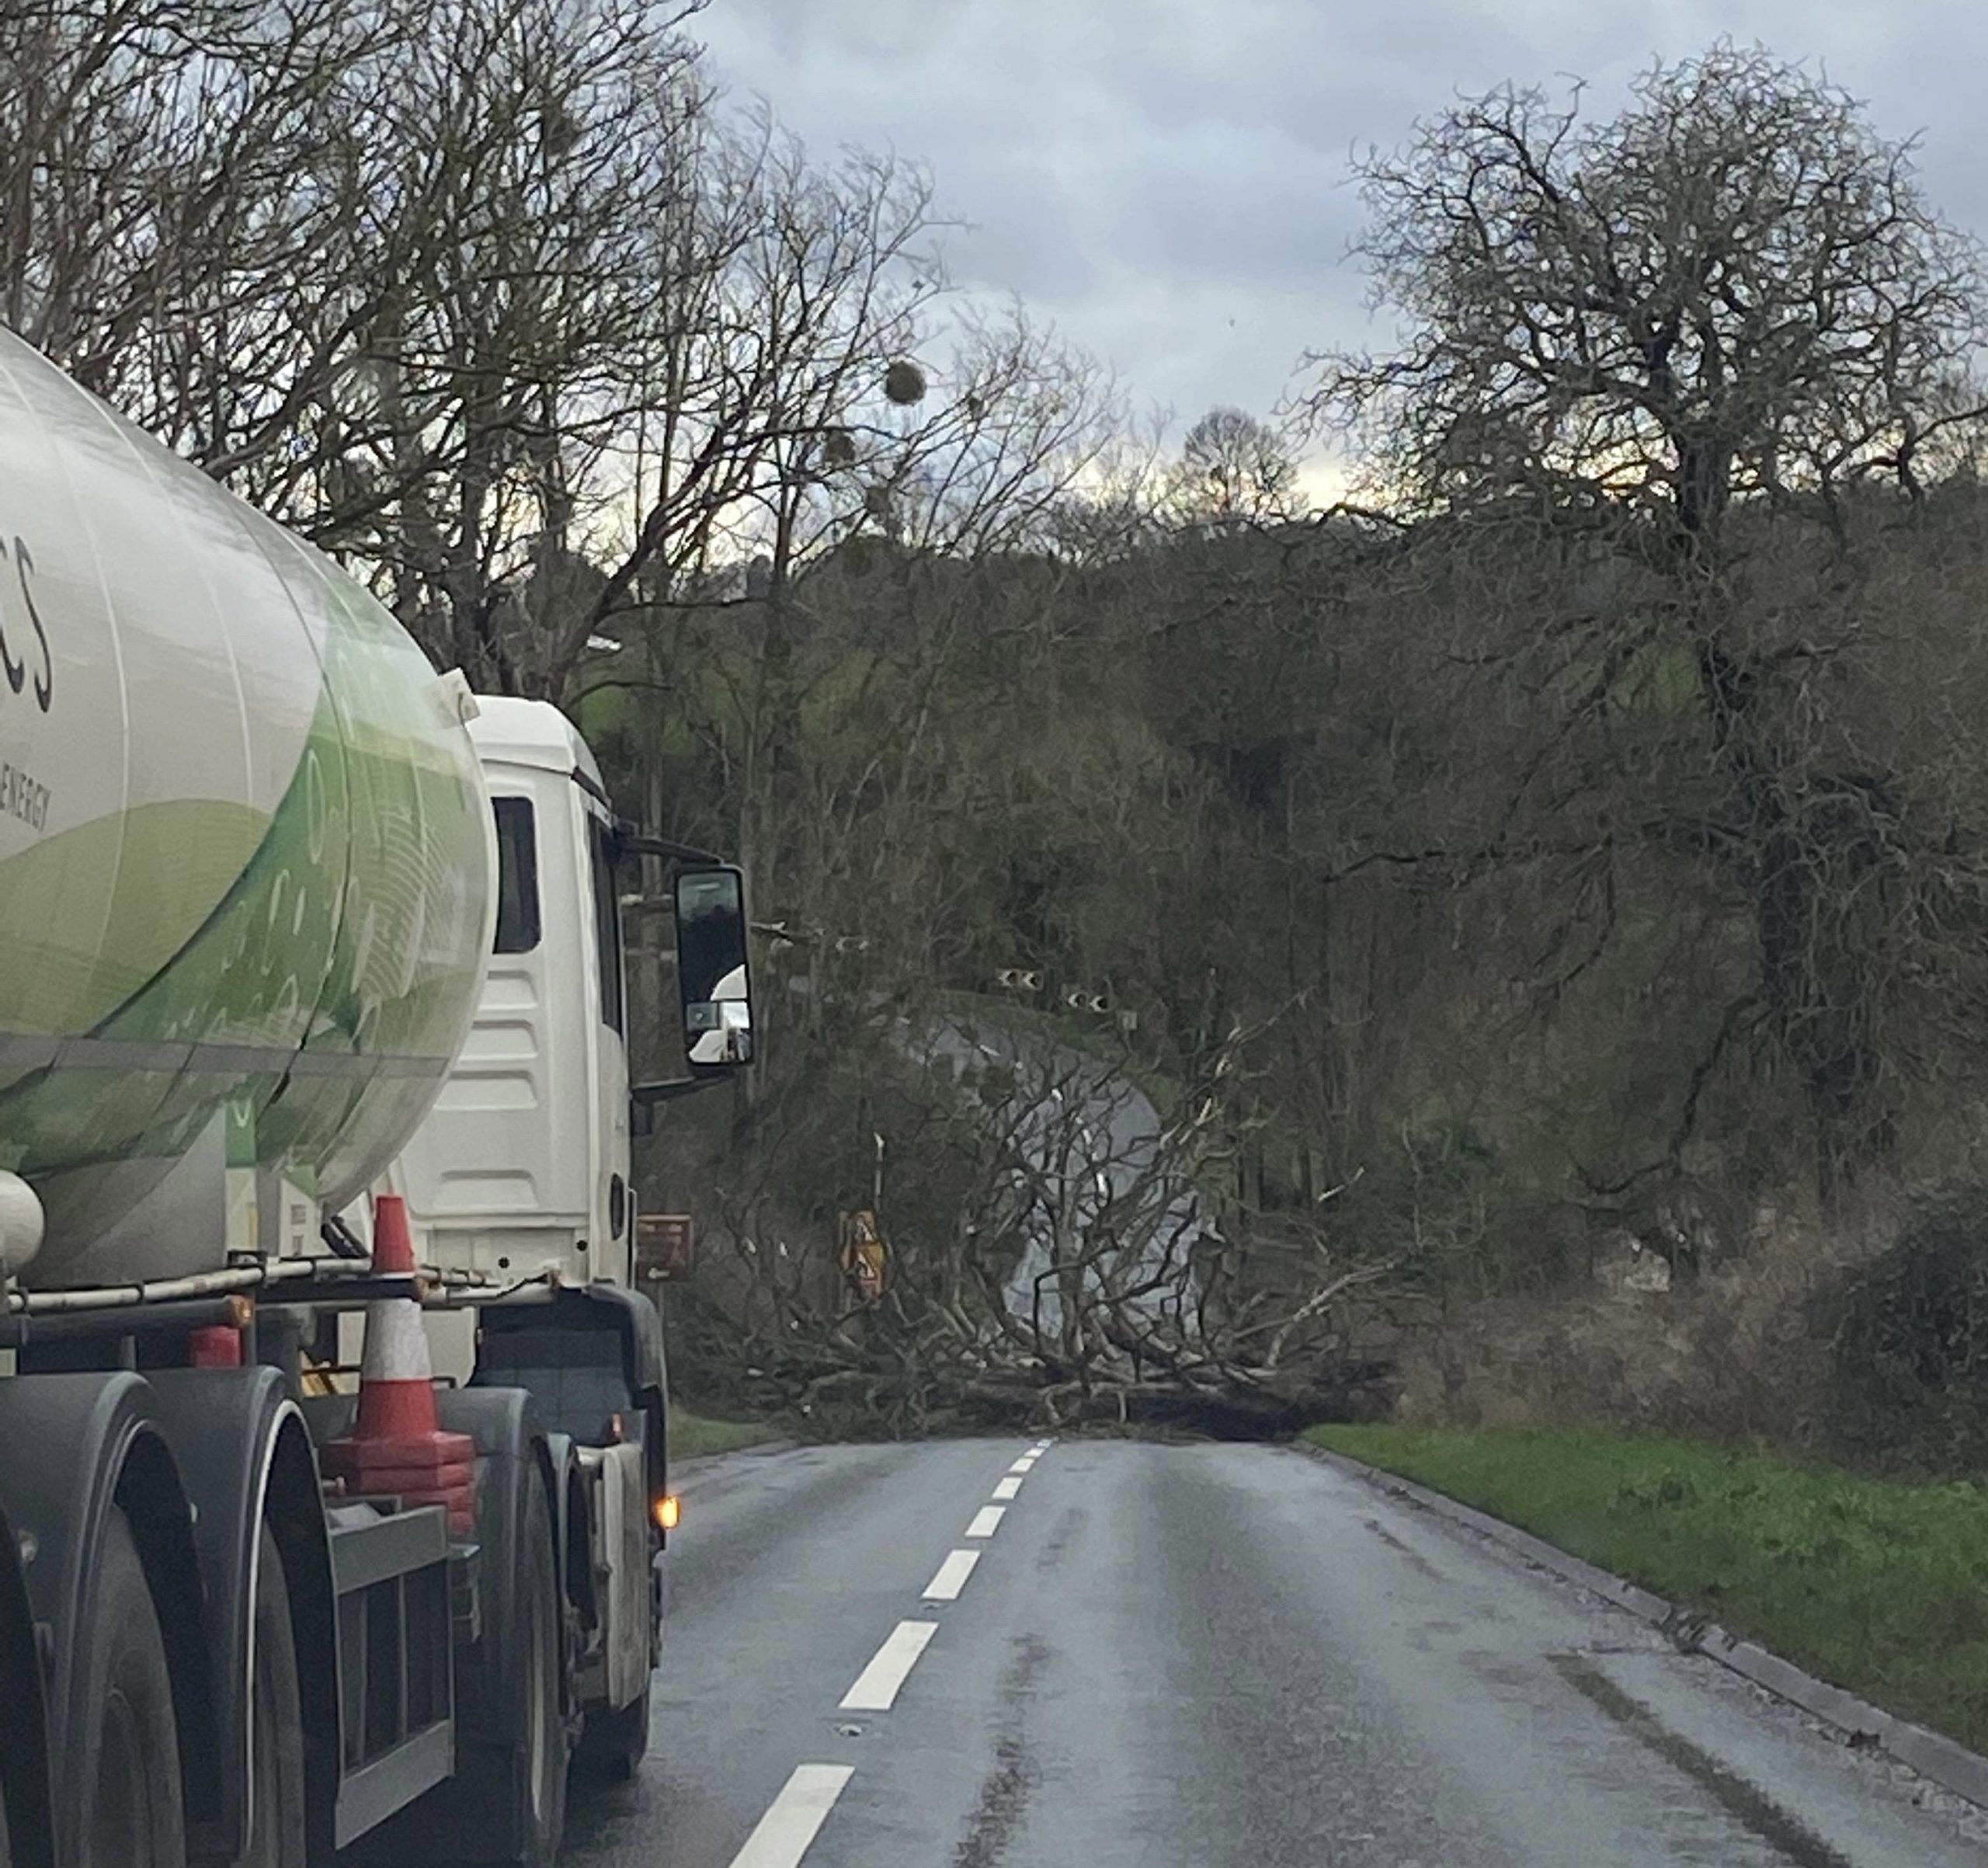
[(607, 924), (517, 876)]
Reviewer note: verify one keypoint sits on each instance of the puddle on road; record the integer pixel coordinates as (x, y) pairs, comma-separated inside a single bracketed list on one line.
[(1749, 1806), (1068, 1527), (1414, 1558), (1004, 1792)]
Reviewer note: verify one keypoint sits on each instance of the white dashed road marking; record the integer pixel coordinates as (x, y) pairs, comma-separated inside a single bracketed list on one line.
[(876, 1688), (945, 1587), (795, 1818), (788, 1829)]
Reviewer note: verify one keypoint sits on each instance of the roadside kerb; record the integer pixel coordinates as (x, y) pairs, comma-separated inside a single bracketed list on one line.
[(1952, 1766)]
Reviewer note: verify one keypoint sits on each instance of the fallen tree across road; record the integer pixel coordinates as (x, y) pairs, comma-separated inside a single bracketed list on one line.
[(1090, 1277)]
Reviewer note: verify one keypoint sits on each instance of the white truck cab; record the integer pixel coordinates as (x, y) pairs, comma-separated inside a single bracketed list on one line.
[(521, 1167)]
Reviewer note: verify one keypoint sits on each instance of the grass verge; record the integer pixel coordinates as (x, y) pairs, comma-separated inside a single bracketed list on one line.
[(693, 1435), (1879, 1586)]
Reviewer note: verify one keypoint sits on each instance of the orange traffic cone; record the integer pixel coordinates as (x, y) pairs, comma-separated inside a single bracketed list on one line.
[(397, 1444)]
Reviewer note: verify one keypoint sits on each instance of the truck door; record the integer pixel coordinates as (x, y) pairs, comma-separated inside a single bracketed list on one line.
[(614, 1222)]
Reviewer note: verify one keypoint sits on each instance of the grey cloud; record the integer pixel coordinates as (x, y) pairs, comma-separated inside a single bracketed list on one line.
[(1165, 178)]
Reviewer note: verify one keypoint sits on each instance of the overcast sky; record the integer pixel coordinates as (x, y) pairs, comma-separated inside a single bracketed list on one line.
[(1166, 178)]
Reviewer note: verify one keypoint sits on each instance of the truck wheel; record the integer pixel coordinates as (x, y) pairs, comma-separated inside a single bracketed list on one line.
[(129, 1770), (613, 1744), (537, 1784), (276, 1822), (505, 1806)]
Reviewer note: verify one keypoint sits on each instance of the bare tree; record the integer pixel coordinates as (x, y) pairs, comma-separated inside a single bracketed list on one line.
[(1735, 286), (481, 446), (185, 195), (823, 679), (1658, 357), (1233, 469)]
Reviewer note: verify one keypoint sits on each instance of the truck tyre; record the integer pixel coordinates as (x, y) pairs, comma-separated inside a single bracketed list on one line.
[(277, 1819), (505, 1805), (614, 1743), (538, 1764), (128, 1771)]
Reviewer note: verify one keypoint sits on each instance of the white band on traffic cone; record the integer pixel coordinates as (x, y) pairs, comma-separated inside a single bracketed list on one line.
[(396, 1345)]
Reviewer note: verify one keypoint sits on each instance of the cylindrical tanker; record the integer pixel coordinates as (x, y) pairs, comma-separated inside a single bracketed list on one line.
[(245, 849)]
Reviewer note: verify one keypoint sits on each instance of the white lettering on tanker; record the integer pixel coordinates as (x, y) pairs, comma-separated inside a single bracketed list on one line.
[(22, 796)]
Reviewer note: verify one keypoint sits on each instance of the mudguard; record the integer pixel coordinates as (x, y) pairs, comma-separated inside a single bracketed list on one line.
[(80, 1446), (244, 1456)]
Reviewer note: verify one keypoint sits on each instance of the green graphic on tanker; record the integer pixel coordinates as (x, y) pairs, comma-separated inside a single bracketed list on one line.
[(333, 935)]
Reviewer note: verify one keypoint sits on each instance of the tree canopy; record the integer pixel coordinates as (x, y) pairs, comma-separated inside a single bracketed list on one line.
[(1734, 286)]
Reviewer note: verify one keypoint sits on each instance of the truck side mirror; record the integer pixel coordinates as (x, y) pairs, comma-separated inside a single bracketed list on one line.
[(712, 972)]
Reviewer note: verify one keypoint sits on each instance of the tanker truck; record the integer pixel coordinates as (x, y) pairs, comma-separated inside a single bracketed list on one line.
[(313, 1050)]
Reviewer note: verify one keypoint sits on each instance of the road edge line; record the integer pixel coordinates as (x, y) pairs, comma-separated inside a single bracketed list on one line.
[(1945, 1760)]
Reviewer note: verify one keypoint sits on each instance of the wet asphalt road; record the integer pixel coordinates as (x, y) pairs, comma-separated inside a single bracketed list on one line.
[(1191, 1657)]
